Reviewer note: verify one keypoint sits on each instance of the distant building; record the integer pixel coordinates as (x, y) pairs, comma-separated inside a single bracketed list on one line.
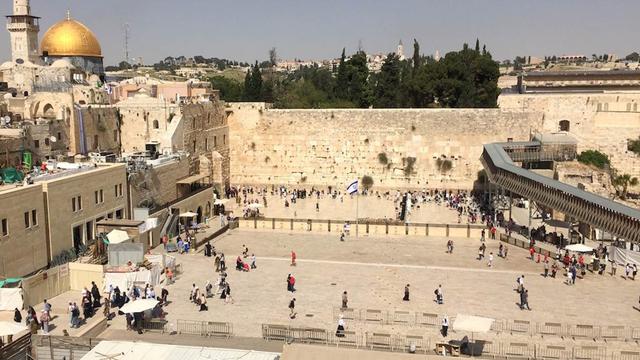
[(578, 81)]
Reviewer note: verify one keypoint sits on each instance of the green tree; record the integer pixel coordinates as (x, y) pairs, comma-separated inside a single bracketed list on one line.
[(387, 86), (622, 183), (634, 146), (595, 158), (367, 182), (634, 56), (416, 61), (230, 90), (342, 79), (477, 45), (253, 84)]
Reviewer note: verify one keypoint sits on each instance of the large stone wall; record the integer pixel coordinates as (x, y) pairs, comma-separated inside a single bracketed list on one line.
[(333, 147), (604, 122)]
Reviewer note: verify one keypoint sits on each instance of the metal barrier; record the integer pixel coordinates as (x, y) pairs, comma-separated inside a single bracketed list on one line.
[(376, 316), (154, 325), (613, 333), (190, 327), (427, 319), (525, 350), (553, 352), (316, 336), (347, 313), (499, 326), (275, 332), (552, 329), (402, 318), (221, 329), (379, 341), (634, 334), (583, 331), (626, 355), (350, 339), (410, 343), (489, 348), (519, 326), (589, 353)]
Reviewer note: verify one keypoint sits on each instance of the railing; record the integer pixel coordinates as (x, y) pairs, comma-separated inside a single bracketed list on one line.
[(512, 327), (17, 348), (204, 328)]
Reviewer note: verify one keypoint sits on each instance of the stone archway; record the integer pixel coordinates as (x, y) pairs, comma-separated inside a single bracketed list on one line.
[(48, 112), (565, 125)]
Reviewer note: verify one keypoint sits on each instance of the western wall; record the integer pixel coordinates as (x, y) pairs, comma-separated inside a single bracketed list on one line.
[(424, 148)]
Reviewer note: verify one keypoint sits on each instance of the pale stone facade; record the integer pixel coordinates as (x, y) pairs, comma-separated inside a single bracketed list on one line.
[(69, 228), (334, 147), (23, 245)]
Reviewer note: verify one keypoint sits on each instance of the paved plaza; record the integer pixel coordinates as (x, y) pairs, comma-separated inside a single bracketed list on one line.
[(368, 206), (374, 272)]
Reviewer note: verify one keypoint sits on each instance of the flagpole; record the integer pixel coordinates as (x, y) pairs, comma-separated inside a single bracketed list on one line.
[(357, 197)]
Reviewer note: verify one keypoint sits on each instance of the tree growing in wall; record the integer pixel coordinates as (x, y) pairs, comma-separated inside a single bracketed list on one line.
[(634, 146), (444, 165), (594, 158), (367, 182), (622, 183), (409, 166)]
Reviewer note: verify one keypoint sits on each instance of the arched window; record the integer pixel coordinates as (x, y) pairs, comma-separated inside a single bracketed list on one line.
[(156, 124), (565, 125), (48, 112)]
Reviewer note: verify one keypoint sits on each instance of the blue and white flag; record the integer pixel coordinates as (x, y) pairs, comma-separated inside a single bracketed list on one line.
[(353, 188)]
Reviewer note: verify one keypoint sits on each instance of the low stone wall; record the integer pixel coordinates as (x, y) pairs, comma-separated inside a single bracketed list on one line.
[(363, 228)]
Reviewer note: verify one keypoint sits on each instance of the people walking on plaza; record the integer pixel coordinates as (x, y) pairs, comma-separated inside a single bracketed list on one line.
[(44, 320), (293, 258), (532, 251), (614, 267), (169, 275), (506, 252), (223, 264), (634, 271), (342, 236), (340, 330), (345, 301), (627, 271), (445, 325), (253, 261), (70, 312), (208, 289), (439, 295), (227, 292), (406, 293), (292, 306), (95, 293), (203, 303), (490, 263), (500, 250), (524, 299), (46, 307), (546, 268), (207, 249), (450, 247), (520, 283), (216, 263), (164, 294), (106, 309), (291, 281)]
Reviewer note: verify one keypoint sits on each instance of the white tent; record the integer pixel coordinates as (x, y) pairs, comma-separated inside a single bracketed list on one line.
[(139, 306), (117, 236), (254, 206), (220, 201), (580, 248), (129, 350), (473, 324)]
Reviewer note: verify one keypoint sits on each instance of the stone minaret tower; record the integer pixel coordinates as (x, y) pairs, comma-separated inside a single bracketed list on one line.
[(23, 30)]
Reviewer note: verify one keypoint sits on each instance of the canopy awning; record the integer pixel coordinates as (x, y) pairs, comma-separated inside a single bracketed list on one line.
[(581, 248), (220, 201), (188, 214), (117, 236), (191, 179), (474, 324)]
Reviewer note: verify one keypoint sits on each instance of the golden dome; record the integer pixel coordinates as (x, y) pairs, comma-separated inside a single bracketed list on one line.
[(70, 38)]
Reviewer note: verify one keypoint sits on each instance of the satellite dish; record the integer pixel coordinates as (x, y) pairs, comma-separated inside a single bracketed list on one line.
[(19, 61), (53, 139)]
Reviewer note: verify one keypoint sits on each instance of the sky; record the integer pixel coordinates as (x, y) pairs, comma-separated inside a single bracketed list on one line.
[(245, 30)]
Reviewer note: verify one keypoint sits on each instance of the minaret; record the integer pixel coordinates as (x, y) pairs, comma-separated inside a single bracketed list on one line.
[(400, 51), (23, 30)]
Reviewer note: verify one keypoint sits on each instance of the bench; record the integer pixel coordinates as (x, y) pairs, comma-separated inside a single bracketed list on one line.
[(446, 348)]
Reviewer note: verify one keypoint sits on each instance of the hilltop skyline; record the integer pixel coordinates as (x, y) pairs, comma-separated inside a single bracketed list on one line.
[(244, 31)]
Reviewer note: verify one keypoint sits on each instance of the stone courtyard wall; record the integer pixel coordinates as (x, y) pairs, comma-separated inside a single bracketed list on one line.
[(334, 147)]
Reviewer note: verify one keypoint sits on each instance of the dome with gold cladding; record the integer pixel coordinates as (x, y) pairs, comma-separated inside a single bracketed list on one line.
[(70, 38)]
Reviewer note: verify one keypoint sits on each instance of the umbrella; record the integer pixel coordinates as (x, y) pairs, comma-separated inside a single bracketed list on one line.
[(254, 206), (188, 214), (472, 324), (11, 328), (579, 248), (139, 306), (220, 201), (117, 236)]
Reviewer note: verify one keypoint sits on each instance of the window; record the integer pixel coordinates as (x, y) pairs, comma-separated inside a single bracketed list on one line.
[(76, 203), (194, 146), (46, 141), (27, 221), (99, 196), (224, 139), (215, 141), (36, 143), (115, 135), (156, 124), (565, 125), (4, 228), (95, 196), (206, 144), (118, 189), (193, 123), (34, 217), (79, 202), (95, 142), (119, 214), (73, 204), (59, 136)]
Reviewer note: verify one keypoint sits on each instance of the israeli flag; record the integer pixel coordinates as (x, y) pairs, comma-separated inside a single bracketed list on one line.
[(353, 188)]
